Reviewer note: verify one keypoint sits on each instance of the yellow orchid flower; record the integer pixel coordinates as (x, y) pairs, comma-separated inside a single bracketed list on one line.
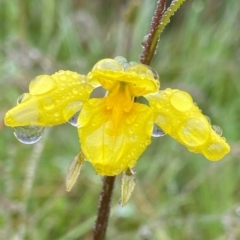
[(114, 130)]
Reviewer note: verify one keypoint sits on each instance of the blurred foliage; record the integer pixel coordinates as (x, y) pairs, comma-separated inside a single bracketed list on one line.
[(178, 195)]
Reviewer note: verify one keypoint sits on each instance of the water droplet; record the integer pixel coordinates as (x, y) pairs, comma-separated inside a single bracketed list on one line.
[(133, 63), (126, 65), (147, 142), (23, 98), (108, 64), (144, 41), (194, 131), (42, 84), (217, 129), (74, 90), (19, 100), (48, 103), (181, 101), (74, 119), (157, 131), (28, 134), (88, 88), (208, 119), (121, 59), (155, 74)]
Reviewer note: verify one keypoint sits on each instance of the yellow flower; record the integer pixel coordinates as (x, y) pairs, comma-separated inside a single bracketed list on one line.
[(114, 130)]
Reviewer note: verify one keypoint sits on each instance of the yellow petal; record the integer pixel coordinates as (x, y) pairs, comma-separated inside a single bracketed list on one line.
[(51, 100), (142, 79), (113, 146), (179, 117)]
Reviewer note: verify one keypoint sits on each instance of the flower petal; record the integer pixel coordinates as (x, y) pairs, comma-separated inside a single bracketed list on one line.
[(179, 117), (143, 79), (113, 146), (51, 100)]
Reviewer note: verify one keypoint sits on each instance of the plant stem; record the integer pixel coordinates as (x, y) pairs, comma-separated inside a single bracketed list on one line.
[(160, 19), (150, 45), (101, 222)]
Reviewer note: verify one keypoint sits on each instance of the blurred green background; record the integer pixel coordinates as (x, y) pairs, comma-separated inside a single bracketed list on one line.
[(179, 195)]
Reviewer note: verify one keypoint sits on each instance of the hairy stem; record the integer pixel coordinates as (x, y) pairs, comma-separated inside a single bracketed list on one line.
[(101, 222), (150, 45), (159, 21)]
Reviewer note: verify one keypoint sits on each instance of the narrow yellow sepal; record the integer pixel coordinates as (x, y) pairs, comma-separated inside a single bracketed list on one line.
[(74, 171), (179, 117), (128, 185), (51, 100)]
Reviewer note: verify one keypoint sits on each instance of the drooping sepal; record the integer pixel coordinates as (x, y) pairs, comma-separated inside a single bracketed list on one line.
[(179, 117), (51, 100), (74, 171), (128, 185)]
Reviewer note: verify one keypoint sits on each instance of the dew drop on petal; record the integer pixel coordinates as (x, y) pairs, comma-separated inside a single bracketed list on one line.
[(42, 84), (147, 142), (23, 98), (217, 129), (108, 64), (181, 101), (126, 65), (155, 74), (19, 100), (194, 131), (48, 103), (157, 131), (120, 59), (74, 119), (28, 134), (133, 63), (208, 119), (75, 91)]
